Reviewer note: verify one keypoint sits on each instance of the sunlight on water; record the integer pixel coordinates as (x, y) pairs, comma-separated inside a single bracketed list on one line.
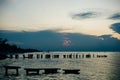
[(94, 68)]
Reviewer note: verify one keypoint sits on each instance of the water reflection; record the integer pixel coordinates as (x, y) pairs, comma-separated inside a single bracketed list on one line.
[(90, 68)]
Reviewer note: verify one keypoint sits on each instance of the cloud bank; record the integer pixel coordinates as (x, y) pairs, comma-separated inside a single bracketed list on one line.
[(116, 27), (55, 41)]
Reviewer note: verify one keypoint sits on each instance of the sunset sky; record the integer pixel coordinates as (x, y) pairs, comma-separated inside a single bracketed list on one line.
[(90, 17)]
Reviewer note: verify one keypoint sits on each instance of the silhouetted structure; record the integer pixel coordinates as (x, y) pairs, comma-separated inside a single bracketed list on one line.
[(99, 56), (38, 56), (71, 71), (16, 56), (51, 70), (55, 56), (2, 56), (88, 56), (29, 70), (47, 56), (11, 67), (35, 71), (6, 48), (30, 56)]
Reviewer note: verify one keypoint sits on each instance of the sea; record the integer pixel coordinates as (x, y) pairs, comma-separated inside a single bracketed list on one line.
[(93, 67)]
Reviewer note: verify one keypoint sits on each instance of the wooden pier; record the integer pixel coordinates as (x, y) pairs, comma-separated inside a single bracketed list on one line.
[(16, 56), (51, 70), (11, 67), (57, 56), (35, 71), (71, 71), (101, 56), (88, 56)]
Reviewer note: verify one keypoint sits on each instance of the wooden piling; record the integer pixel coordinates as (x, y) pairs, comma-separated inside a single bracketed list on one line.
[(64, 56), (79, 56), (55, 56), (71, 71), (88, 56), (38, 56), (47, 56), (16, 56), (41, 56), (82, 55), (11, 67), (35, 70), (11, 56), (30, 56)]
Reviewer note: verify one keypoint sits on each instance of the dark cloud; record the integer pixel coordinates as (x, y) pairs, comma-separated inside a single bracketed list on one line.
[(115, 16), (85, 15), (52, 40), (116, 27)]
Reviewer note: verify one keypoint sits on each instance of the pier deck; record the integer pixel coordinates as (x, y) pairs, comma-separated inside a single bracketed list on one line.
[(71, 71), (11, 67), (37, 70)]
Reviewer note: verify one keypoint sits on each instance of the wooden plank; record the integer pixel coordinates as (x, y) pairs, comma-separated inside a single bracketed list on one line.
[(71, 71), (51, 70), (46, 70), (11, 67), (35, 71)]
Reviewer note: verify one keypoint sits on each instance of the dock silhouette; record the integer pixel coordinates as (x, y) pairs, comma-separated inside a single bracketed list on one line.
[(56, 56)]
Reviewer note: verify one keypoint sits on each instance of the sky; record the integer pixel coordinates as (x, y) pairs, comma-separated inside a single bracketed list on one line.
[(89, 17)]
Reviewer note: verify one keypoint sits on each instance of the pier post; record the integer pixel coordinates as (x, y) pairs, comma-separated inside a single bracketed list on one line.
[(88, 56), (6, 71), (47, 56), (41, 56), (30, 56), (17, 72), (70, 56), (16, 56), (11, 67), (64, 56), (38, 56), (11, 56), (76, 56), (93, 56), (82, 55), (23, 56), (73, 56)]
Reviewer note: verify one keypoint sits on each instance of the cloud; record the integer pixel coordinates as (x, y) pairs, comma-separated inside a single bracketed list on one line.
[(115, 16), (55, 41), (116, 27), (85, 15)]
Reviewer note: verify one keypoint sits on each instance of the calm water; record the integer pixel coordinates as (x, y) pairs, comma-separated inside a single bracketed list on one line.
[(90, 68)]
